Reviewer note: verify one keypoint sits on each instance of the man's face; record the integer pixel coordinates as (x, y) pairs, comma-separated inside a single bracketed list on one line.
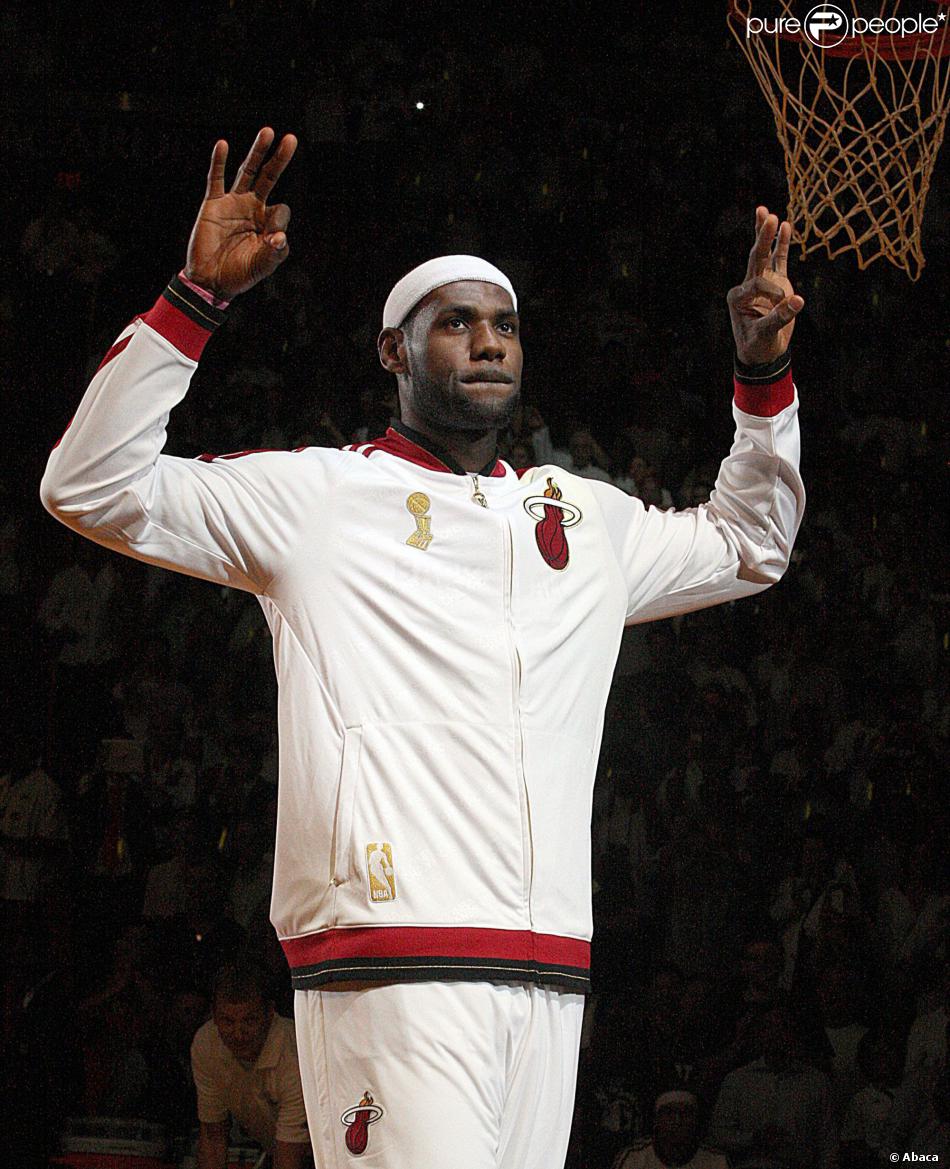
[(676, 1132), (243, 1027), (464, 358)]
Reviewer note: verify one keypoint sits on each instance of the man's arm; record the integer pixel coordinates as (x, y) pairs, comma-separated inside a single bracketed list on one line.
[(292, 1136), (740, 542), (107, 478), (213, 1117), (213, 1146)]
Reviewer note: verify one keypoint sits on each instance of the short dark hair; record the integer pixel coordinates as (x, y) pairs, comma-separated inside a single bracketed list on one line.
[(243, 981)]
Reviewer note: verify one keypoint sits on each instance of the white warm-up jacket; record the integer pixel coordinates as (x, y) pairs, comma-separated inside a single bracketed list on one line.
[(444, 644)]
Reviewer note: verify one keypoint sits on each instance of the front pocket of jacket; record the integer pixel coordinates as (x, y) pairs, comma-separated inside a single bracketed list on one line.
[(346, 797)]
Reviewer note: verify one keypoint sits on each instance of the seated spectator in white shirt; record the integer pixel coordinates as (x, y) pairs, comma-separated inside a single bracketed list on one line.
[(244, 1062), (676, 1139), (33, 834), (861, 1135), (777, 1109), (839, 999)]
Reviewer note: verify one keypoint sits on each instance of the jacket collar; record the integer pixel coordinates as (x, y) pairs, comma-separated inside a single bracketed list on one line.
[(409, 444)]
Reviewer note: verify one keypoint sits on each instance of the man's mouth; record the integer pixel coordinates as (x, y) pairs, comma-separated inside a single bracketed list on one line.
[(479, 378)]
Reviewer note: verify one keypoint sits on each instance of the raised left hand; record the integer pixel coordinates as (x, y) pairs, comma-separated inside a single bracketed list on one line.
[(764, 306), (238, 239)]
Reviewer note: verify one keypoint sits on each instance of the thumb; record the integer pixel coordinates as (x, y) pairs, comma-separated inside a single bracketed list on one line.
[(785, 311), (271, 253)]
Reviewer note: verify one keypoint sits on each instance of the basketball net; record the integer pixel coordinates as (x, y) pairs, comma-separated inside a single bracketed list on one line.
[(860, 118)]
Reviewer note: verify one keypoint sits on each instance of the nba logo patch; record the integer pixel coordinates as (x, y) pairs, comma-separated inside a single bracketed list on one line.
[(380, 871)]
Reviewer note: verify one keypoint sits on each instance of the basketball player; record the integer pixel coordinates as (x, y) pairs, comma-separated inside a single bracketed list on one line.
[(445, 630)]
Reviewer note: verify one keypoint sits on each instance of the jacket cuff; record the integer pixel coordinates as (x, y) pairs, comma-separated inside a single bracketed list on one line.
[(184, 318), (764, 390)]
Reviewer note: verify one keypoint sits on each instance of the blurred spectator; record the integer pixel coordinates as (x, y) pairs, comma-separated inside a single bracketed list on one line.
[(114, 838), (913, 916), (244, 1061), (640, 479), (205, 935), (584, 456), (676, 1139), (40, 1063), (839, 1000), (861, 1134), (777, 1109), (252, 868), (33, 833), (171, 885), (800, 899), (927, 1041), (920, 1118)]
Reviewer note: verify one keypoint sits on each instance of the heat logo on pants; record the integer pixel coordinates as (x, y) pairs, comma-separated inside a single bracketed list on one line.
[(357, 1121)]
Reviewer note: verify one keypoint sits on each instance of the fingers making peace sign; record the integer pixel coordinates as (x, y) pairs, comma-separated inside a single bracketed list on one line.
[(238, 239), (764, 306)]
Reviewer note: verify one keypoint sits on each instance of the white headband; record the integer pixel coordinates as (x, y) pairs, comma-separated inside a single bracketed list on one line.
[(433, 274)]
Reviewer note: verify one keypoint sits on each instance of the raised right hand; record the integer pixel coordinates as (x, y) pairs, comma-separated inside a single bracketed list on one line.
[(237, 239)]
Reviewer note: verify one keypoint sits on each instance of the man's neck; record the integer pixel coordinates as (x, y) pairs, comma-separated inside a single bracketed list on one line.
[(470, 450)]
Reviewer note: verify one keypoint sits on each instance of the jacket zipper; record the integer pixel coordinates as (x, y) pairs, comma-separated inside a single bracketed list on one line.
[(526, 833), (477, 495)]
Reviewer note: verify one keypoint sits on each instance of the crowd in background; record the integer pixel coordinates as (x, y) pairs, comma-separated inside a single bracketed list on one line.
[(770, 822)]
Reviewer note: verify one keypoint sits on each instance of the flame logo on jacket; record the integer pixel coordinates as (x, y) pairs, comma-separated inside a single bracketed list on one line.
[(553, 514)]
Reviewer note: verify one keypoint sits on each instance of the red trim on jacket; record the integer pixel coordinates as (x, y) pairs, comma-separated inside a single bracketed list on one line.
[(186, 335), (394, 443), (260, 450), (767, 400), (115, 351), (435, 942)]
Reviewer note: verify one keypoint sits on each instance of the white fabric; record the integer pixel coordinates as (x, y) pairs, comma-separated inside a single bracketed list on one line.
[(396, 676), (466, 1074), (418, 283)]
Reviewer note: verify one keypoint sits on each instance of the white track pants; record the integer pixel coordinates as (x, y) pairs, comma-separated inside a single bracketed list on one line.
[(439, 1075)]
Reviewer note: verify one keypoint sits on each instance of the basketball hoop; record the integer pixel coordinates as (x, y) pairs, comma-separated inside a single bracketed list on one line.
[(860, 106)]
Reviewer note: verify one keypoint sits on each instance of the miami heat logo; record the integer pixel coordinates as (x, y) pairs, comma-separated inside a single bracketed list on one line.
[(357, 1121), (553, 514)]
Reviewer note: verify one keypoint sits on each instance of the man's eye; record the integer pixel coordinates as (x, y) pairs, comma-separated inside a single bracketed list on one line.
[(507, 327), (455, 321)]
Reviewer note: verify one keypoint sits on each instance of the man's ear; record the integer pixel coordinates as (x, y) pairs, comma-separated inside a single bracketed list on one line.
[(392, 351)]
